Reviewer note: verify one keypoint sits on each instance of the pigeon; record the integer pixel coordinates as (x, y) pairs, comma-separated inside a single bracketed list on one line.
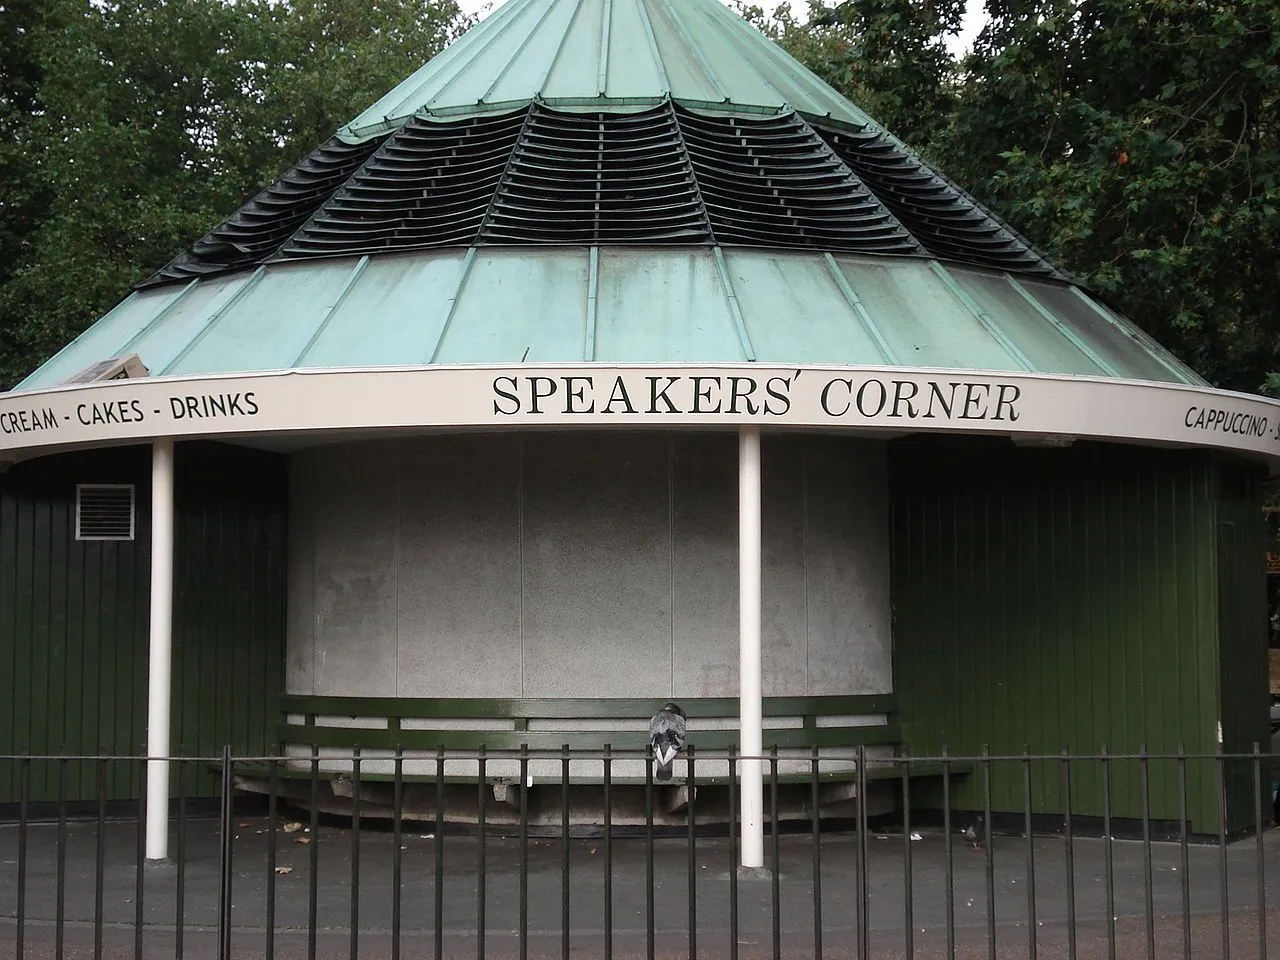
[(974, 833), (666, 737)]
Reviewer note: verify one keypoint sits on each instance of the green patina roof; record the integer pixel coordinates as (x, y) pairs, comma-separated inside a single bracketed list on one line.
[(613, 181), (609, 54)]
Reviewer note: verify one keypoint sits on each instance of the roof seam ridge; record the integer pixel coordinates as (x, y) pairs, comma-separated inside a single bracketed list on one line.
[(235, 298), (507, 170), (693, 173), (653, 47), (852, 174), (744, 335), (864, 316), (1103, 364), (696, 50), (279, 253), (987, 322), (529, 35)]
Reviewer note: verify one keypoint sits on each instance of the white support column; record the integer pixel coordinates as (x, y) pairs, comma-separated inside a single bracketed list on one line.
[(750, 709), (159, 668)]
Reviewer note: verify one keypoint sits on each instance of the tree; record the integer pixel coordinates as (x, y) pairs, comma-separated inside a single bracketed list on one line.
[(887, 56), (1139, 145), (150, 120)]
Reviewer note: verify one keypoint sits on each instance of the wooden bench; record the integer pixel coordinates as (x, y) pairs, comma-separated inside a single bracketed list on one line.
[(794, 725), (833, 728)]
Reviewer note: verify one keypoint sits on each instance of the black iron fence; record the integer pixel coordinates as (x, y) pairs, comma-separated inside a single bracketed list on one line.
[(574, 853)]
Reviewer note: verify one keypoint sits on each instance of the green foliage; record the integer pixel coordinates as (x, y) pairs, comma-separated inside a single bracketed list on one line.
[(1136, 142), (129, 128), (1139, 145)]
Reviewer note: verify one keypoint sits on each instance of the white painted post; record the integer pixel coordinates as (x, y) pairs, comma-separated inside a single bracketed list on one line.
[(159, 668), (750, 708)]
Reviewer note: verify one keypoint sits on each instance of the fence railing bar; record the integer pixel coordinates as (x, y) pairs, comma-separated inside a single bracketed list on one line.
[(140, 896), (948, 860), (313, 854), (60, 909), (564, 852), (988, 853), (180, 883), (1108, 856), (20, 908), (648, 855), (775, 859), (1184, 853), (608, 853), (692, 820), (273, 794), (355, 854), (227, 837), (481, 869), (1030, 833), (397, 850), (524, 853), (1225, 917), (815, 825), (1069, 854), (99, 855), (437, 841), (1260, 862), (908, 880), (1148, 877), (733, 856), (864, 895)]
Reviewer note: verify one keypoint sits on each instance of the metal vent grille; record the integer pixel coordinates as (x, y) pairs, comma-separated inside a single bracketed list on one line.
[(429, 185), (944, 218), (663, 175), (598, 178), (257, 229), (776, 183), (104, 511)]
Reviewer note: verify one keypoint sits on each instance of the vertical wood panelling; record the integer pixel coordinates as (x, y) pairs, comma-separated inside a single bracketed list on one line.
[(1243, 637), (1051, 598), (73, 614)]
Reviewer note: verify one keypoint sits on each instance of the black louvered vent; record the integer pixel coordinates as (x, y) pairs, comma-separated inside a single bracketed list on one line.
[(257, 229), (598, 178), (657, 176), (775, 183), (939, 214), (104, 511), (430, 185)]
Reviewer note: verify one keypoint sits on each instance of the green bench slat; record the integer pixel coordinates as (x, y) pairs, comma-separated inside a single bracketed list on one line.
[(576, 709), (348, 737)]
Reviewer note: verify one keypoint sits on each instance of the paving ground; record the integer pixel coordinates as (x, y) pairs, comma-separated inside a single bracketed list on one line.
[(886, 920)]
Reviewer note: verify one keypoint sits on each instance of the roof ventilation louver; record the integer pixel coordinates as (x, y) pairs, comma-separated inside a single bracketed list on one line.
[(428, 186), (944, 218), (258, 228), (104, 511), (598, 178), (775, 183)]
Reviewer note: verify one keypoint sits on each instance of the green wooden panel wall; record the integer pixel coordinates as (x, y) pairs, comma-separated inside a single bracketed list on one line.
[(73, 614), (1242, 637), (1049, 598), (73, 633)]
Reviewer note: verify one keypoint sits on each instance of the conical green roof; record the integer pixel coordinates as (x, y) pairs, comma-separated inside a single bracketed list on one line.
[(613, 181), (609, 55)]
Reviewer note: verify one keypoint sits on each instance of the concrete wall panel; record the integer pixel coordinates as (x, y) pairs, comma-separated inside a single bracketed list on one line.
[(583, 565), (597, 566), (459, 568), (354, 498), (705, 514)]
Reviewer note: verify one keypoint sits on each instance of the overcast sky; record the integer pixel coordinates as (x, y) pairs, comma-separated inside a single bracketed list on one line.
[(973, 18)]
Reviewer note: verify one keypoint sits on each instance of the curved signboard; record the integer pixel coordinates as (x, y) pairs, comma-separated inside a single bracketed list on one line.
[(865, 399)]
